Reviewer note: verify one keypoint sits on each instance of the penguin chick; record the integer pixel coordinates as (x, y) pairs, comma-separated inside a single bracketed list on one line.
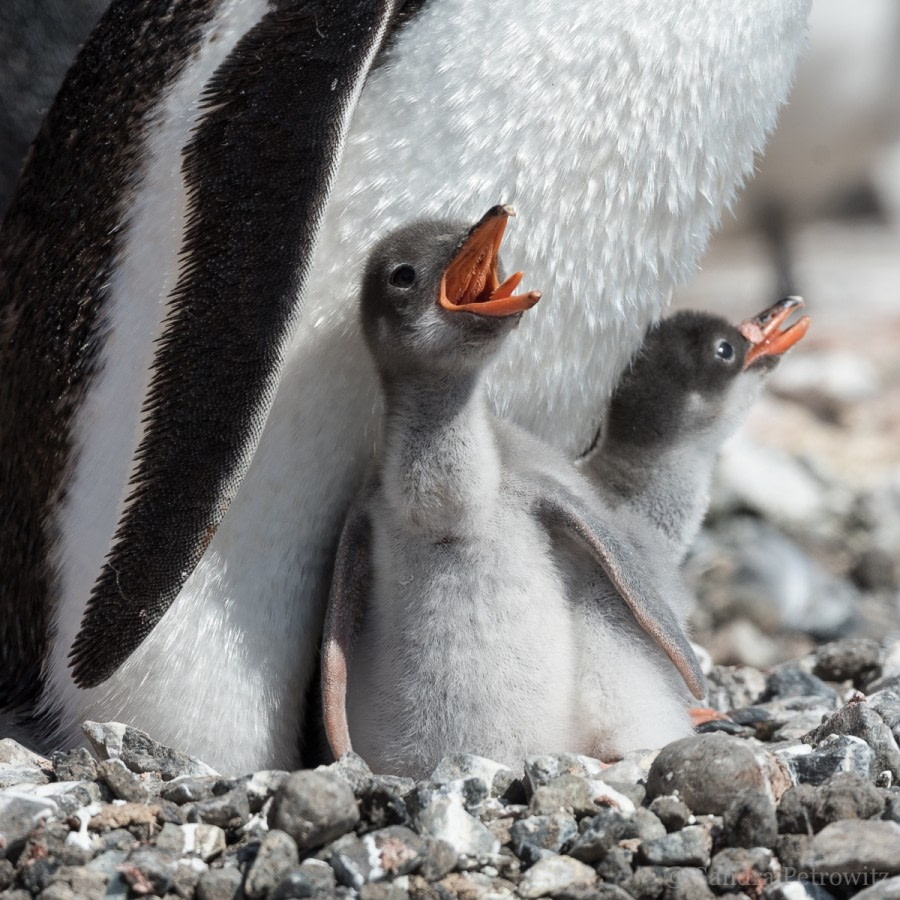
[(689, 387), (450, 626)]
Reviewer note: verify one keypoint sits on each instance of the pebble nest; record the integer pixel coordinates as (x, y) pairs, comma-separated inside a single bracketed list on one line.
[(790, 795)]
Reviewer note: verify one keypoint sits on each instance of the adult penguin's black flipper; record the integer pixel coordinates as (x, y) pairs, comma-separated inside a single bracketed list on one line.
[(258, 172)]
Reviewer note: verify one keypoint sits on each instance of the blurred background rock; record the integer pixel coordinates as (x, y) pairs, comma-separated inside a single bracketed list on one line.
[(803, 539)]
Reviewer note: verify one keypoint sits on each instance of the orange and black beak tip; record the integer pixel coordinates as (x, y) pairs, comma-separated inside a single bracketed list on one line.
[(471, 280), (764, 332)]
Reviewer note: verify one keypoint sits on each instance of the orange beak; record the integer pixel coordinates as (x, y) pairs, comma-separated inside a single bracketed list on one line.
[(763, 331), (471, 282)]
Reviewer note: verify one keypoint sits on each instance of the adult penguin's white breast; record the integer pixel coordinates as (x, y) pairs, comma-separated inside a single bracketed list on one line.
[(619, 130)]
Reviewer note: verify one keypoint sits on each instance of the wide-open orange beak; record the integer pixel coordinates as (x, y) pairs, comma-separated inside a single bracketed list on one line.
[(472, 282), (763, 331)]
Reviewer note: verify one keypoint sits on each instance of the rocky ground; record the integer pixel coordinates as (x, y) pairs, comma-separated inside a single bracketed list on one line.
[(791, 795)]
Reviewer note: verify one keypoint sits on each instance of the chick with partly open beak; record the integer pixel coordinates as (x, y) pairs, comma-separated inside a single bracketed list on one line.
[(764, 330), (471, 282)]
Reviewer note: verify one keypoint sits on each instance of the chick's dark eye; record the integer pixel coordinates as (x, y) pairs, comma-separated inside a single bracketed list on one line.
[(403, 276), (724, 350)]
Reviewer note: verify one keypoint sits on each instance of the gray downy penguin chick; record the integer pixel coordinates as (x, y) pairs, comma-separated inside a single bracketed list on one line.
[(450, 626), (689, 388)]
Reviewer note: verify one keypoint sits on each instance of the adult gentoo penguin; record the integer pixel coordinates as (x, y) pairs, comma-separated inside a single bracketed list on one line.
[(186, 403), (451, 627), (689, 387)]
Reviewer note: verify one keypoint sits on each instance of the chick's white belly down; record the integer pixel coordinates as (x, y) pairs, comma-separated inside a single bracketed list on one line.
[(465, 645)]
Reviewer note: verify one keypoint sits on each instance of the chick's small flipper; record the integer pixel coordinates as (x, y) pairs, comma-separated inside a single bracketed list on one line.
[(346, 603), (628, 564)]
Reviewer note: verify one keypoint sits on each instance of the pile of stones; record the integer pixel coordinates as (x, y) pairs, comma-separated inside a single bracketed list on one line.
[(789, 795)]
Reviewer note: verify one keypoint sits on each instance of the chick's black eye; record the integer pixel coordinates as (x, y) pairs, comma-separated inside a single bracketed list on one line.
[(724, 350), (403, 276)]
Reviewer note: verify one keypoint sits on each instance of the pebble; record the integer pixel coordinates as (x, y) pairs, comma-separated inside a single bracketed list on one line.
[(704, 770), (554, 875), (277, 856), (741, 869), (123, 783), (889, 889), (19, 814), (856, 846), (689, 847), (447, 820), (220, 884), (601, 834), (851, 659), (750, 820), (535, 837), (835, 753), (314, 808), (113, 740), (861, 720), (672, 812), (687, 884)]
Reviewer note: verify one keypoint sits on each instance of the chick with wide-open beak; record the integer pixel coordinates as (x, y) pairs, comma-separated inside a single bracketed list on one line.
[(471, 282), (765, 334)]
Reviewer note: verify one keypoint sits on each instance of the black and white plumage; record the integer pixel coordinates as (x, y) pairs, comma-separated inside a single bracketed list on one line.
[(452, 624), (186, 403)]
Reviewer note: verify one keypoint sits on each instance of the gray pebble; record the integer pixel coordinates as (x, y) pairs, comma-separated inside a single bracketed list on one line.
[(227, 811), (380, 855), (555, 874), (791, 681), (845, 796), (277, 856), (313, 878), (688, 847), (535, 837), (262, 785), (7, 874), (19, 814), (150, 867), (740, 869), (797, 890), (314, 808), (74, 765), (851, 659), (671, 812), (750, 820), (124, 784), (861, 720), (446, 820), (704, 770), (464, 766), (541, 770), (603, 833), (687, 884), (791, 850), (646, 883), (615, 867), (194, 788), (889, 889), (795, 815), (140, 752), (835, 754), (219, 884), (856, 846), (351, 768), (439, 859)]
